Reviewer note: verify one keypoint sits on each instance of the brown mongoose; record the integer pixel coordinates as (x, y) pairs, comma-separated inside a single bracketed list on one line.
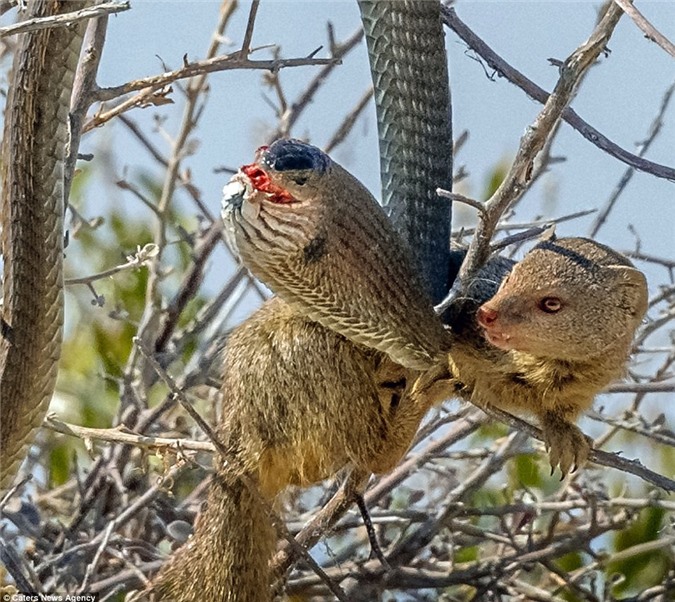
[(301, 400), (558, 330)]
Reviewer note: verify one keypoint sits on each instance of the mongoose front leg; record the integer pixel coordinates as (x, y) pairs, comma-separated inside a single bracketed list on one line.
[(567, 446)]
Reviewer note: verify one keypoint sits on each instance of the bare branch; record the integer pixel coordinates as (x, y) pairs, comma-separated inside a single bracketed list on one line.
[(248, 36), (651, 33), (122, 435), (516, 180), (654, 131), (539, 94), (291, 115), (348, 122), (66, 19), (210, 65), (597, 456)]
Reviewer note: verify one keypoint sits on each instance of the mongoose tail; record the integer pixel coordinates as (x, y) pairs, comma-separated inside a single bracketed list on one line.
[(227, 558)]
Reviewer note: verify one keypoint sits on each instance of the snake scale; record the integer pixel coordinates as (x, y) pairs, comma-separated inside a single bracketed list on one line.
[(412, 96), (34, 146)]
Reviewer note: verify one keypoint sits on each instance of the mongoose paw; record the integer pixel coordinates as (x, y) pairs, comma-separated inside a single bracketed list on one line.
[(567, 446)]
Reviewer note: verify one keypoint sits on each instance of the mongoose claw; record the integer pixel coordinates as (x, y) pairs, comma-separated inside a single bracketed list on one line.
[(568, 447)]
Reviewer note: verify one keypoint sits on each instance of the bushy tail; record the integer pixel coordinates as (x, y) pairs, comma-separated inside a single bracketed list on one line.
[(227, 558)]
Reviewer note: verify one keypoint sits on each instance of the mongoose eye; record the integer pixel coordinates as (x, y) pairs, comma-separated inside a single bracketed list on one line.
[(550, 305)]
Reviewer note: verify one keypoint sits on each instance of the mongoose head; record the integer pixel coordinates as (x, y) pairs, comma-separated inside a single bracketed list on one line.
[(570, 299)]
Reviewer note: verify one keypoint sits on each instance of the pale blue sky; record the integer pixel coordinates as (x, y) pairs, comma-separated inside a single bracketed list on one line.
[(620, 97)]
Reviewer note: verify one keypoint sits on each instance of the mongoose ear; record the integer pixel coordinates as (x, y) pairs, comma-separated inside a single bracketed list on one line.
[(634, 286)]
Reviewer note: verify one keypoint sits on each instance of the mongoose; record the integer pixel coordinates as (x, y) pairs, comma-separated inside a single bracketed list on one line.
[(300, 399), (558, 330), (305, 393)]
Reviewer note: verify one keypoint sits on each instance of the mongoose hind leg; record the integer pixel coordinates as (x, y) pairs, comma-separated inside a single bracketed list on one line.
[(405, 396), (567, 445)]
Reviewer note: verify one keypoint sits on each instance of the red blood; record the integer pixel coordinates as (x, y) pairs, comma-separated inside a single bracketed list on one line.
[(261, 181)]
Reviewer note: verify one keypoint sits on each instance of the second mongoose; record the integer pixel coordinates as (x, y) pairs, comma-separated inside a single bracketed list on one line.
[(552, 331)]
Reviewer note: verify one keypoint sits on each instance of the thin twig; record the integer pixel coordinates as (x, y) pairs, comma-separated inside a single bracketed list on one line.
[(211, 65), (248, 35), (120, 434), (65, 19), (455, 197), (91, 567), (134, 262), (348, 122), (651, 33), (84, 88), (451, 19), (654, 130), (292, 114)]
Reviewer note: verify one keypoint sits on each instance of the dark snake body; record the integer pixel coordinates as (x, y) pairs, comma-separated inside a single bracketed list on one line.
[(409, 67)]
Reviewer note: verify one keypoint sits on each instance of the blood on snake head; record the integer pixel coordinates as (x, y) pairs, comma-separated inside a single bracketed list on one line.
[(278, 198), (286, 170)]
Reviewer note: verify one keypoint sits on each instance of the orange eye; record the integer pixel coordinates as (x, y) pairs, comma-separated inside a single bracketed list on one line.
[(550, 305)]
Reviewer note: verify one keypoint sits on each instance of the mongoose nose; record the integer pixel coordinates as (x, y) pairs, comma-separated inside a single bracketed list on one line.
[(486, 316)]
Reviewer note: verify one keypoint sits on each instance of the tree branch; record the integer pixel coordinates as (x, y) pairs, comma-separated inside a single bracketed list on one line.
[(516, 180), (651, 33), (514, 76), (66, 19)]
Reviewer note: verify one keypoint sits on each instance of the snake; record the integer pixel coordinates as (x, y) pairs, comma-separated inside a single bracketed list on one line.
[(33, 152), (306, 228), (410, 76)]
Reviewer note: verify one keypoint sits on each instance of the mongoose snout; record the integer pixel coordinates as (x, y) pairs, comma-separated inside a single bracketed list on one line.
[(487, 319)]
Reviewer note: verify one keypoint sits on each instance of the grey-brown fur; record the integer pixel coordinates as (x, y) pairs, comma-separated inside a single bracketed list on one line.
[(550, 365)]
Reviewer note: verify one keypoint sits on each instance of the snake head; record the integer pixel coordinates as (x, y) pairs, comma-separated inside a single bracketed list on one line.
[(283, 186), (286, 171)]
